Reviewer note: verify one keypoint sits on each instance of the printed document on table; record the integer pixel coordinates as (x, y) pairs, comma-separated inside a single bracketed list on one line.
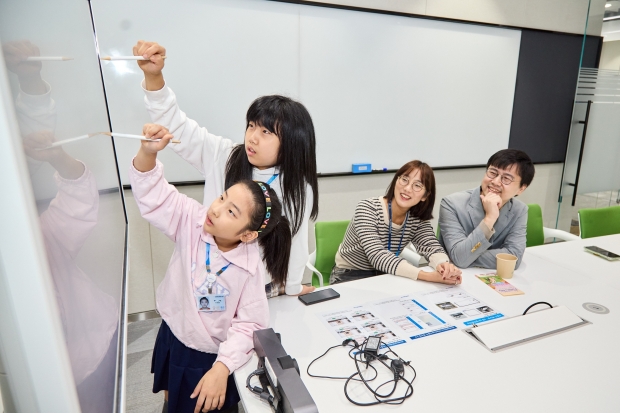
[(360, 322), (460, 307), (409, 317), (401, 319)]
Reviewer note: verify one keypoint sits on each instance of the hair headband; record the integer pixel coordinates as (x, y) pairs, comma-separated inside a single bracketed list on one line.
[(267, 206)]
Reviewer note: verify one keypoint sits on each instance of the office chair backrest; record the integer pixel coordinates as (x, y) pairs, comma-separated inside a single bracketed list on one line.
[(596, 222), (535, 233), (329, 236)]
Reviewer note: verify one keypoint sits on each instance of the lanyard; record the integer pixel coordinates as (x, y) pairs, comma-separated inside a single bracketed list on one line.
[(210, 280), (208, 262), (274, 176), (390, 230)]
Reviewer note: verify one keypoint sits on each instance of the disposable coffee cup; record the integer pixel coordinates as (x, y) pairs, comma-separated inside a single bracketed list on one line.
[(506, 265)]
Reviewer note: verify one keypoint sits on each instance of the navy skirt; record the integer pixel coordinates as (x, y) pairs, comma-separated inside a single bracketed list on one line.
[(178, 369)]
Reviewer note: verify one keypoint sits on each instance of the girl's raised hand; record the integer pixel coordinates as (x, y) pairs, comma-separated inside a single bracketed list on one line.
[(154, 131), (152, 51), (211, 389)]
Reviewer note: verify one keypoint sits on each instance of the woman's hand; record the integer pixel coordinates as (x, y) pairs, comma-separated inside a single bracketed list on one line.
[(436, 277), (448, 270), (211, 389), (153, 77)]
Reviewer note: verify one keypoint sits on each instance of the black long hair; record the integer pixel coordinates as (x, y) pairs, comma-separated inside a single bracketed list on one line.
[(292, 123), (275, 239)]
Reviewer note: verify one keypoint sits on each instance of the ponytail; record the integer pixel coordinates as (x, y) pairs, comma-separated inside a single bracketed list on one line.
[(276, 246), (274, 231)]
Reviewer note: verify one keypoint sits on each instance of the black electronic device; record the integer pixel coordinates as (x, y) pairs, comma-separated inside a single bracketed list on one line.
[(608, 255), (279, 372), (319, 296), (372, 345)]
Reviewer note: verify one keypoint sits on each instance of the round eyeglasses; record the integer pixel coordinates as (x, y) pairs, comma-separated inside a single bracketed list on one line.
[(505, 179), (405, 181)]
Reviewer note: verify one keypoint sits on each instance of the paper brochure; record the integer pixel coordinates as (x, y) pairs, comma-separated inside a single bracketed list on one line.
[(499, 284), (402, 319)]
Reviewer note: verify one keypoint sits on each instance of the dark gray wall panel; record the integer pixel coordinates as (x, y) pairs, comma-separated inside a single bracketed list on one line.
[(545, 90)]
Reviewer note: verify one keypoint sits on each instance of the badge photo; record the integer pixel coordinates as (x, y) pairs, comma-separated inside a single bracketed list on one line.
[(210, 303)]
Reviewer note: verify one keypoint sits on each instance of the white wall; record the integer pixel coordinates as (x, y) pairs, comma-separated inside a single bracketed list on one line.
[(611, 30), (557, 15), (610, 55)]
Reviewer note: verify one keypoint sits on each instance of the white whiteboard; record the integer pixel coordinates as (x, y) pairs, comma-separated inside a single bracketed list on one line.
[(381, 89)]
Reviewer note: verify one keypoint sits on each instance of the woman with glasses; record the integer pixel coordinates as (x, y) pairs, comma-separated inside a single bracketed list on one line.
[(477, 224), (383, 226)]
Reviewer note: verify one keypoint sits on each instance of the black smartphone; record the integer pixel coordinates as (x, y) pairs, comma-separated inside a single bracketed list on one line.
[(608, 255), (318, 296)]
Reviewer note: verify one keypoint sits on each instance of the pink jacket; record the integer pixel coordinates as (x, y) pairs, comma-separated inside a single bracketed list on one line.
[(227, 333)]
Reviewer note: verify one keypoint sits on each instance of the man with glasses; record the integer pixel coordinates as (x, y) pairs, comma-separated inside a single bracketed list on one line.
[(477, 224)]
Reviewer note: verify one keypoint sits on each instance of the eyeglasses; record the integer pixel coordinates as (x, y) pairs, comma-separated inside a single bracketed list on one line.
[(505, 179), (405, 181)]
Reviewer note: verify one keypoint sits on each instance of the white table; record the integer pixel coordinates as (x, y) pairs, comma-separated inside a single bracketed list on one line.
[(575, 371), (571, 255)]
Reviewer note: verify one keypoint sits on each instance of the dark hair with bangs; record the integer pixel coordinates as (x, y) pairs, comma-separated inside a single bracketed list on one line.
[(423, 209), (292, 123), (275, 239), (505, 158)]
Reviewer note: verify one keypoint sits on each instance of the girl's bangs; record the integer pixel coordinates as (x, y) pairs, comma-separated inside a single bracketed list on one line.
[(265, 116)]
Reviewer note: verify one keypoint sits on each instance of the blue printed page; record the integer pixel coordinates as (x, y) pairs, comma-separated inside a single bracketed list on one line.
[(402, 319)]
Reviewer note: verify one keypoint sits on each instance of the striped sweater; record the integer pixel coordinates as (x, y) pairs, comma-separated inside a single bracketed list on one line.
[(365, 242)]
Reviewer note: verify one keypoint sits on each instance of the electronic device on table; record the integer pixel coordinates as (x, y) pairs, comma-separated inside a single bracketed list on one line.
[(598, 251), (319, 296), (281, 386)]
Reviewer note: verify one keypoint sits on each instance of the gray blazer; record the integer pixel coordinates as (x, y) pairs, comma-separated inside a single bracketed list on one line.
[(460, 217)]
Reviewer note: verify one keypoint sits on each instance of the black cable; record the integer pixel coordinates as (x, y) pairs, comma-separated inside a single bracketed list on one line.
[(376, 394), (332, 377), (397, 367), (263, 392), (539, 302)]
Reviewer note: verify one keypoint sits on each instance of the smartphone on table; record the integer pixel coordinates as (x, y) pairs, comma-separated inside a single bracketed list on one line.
[(608, 255), (318, 296)]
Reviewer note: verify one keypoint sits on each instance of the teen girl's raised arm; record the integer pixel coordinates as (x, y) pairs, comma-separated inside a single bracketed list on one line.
[(159, 202), (198, 146)]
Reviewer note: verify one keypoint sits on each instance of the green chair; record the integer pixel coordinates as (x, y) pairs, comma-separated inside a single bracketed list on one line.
[(596, 222), (537, 233), (329, 236)]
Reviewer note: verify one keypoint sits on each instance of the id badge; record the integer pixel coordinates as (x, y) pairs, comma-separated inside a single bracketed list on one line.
[(210, 303)]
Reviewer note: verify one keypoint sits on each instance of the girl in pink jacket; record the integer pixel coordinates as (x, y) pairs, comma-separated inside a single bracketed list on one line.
[(216, 257)]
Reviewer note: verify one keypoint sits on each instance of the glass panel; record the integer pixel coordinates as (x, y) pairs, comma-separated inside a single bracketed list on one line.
[(591, 176), (56, 83)]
